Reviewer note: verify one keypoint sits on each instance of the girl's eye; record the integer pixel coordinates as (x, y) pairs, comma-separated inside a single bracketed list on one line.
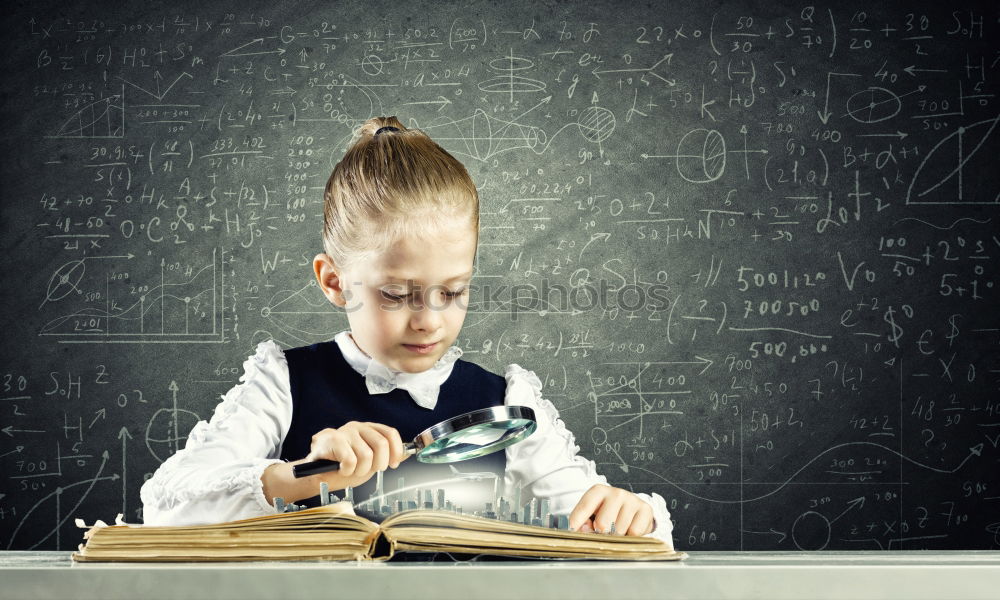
[(396, 298)]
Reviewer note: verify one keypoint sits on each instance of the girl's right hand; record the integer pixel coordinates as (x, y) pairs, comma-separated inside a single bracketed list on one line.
[(362, 449)]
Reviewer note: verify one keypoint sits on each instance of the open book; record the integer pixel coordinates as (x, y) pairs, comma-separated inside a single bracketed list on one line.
[(335, 532)]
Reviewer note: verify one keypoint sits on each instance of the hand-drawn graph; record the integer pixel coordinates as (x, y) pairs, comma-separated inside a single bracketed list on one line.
[(645, 391), (965, 151), (103, 118), (176, 303), (62, 502)]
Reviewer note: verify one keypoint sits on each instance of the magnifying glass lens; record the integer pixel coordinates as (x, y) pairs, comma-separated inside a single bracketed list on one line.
[(475, 441)]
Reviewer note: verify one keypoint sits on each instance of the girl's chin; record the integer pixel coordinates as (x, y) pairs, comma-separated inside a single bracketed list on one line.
[(417, 362)]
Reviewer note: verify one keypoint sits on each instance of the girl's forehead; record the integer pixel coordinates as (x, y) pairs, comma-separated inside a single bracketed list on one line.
[(445, 260), (395, 278)]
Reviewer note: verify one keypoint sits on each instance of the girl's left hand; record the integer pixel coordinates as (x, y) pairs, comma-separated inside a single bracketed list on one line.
[(603, 507)]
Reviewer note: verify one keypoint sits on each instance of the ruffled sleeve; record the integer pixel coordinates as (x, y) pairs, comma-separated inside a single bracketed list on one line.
[(547, 464), (216, 476)]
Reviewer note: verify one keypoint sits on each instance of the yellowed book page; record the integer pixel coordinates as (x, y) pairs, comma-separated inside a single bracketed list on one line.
[(435, 518), (539, 553), (486, 541), (331, 529), (465, 533), (232, 538), (440, 518), (299, 552), (339, 516)]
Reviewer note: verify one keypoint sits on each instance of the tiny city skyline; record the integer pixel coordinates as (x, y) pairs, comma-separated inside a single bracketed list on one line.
[(534, 512)]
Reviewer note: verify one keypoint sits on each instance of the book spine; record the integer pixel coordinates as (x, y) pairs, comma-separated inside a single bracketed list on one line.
[(381, 546)]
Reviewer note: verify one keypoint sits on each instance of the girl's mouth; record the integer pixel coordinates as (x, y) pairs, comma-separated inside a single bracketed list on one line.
[(421, 349)]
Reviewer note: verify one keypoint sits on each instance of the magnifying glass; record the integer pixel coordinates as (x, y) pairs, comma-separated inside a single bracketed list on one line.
[(466, 436)]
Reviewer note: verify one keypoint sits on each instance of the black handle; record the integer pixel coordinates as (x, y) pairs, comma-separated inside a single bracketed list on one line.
[(317, 466)]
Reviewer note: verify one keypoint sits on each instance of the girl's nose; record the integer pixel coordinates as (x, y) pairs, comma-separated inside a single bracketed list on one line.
[(426, 317)]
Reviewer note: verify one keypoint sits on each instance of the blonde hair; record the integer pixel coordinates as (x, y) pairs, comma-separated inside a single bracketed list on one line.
[(390, 185)]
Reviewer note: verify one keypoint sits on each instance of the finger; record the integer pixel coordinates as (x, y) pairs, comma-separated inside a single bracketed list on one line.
[(334, 447), (630, 508), (364, 455), (320, 446), (605, 515), (587, 506), (587, 527), (397, 453), (642, 523), (379, 446)]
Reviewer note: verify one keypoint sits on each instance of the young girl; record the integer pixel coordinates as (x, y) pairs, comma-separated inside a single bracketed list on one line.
[(401, 227)]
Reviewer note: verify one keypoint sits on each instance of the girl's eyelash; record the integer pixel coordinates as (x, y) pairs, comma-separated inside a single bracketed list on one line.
[(393, 297)]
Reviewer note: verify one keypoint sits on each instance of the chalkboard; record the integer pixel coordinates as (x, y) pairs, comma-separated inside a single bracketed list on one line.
[(750, 249)]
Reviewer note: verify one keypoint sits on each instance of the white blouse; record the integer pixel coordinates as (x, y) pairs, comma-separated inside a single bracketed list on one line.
[(216, 477)]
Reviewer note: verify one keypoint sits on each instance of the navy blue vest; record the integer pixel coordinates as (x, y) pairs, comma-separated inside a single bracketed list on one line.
[(328, 392)]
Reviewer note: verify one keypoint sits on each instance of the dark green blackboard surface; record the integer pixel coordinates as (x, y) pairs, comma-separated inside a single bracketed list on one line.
[(751, 249)]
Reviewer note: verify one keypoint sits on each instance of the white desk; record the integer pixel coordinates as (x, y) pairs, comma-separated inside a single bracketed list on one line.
[(771, 575)]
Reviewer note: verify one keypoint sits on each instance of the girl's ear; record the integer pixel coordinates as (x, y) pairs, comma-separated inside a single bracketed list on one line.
[(328, 277)]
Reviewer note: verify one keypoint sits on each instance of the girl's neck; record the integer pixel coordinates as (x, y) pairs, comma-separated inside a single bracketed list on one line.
[(350, 335)]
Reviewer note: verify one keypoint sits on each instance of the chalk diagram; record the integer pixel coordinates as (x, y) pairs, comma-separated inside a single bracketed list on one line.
[(634, 401), (349, 97), (177, 304), (873, 105), (54, 501), (812, 529), (164, 437), (483, 137), (641, 391), (942, 176), (101, 119), (700, 155), (292, 316), (159, 94), (508, 82)]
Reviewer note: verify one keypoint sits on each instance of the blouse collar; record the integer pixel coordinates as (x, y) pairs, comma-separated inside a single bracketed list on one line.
[(380, 379)]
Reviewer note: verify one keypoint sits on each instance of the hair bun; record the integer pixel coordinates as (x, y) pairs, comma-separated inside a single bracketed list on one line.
[(387, 128)]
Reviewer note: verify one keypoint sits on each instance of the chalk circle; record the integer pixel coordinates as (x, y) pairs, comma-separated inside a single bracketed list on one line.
[(701, 156), (596, 124), (873, 105), (372, 64), (599, 436), (810, 527), (512, 84), (511, 64), (163, 447), (535, 136), (64, 280)]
